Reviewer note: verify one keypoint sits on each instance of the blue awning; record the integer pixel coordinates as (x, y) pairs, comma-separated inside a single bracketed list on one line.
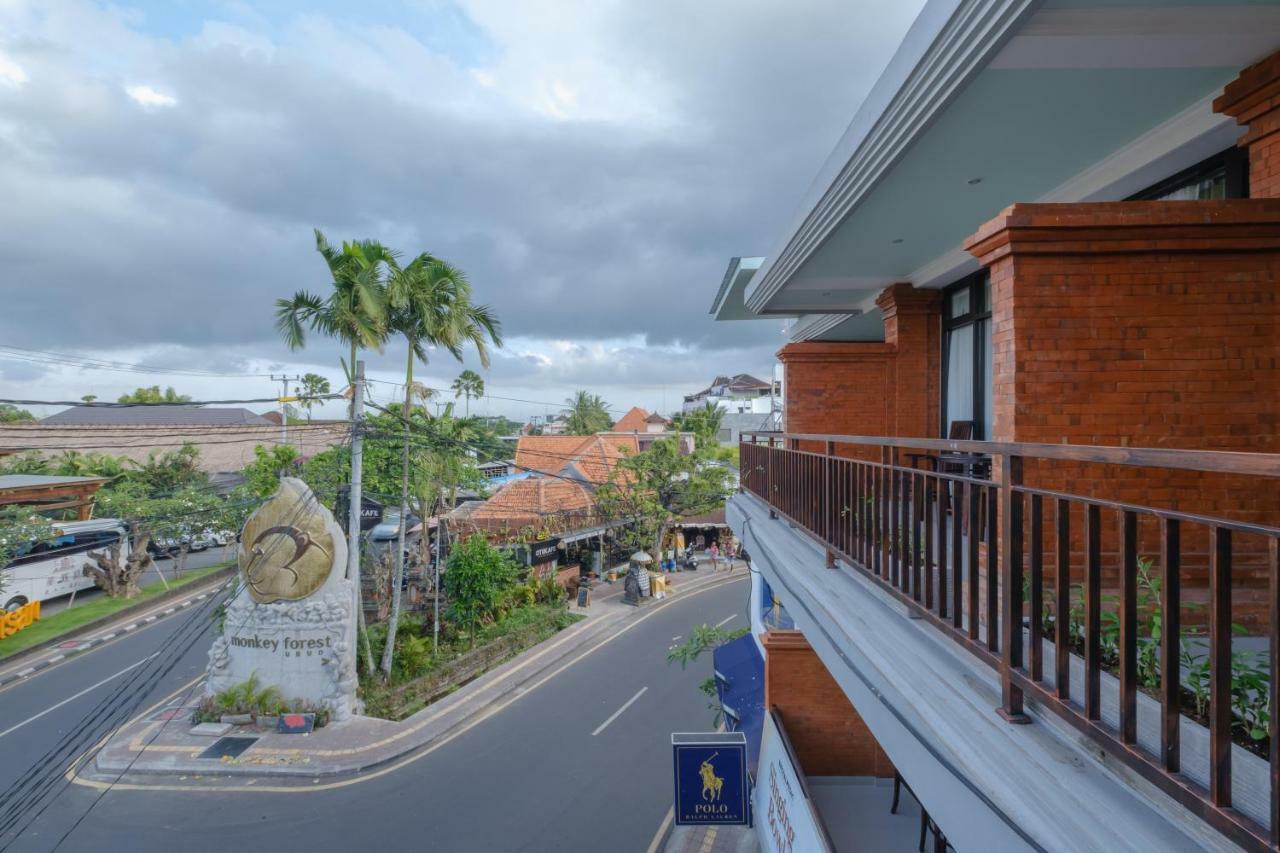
[(739, 670)]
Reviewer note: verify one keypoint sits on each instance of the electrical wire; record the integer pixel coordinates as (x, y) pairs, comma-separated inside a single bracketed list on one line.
[(36, 356), (81, 404)]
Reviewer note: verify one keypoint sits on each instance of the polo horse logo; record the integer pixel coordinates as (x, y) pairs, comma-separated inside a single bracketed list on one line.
[(711, 783)]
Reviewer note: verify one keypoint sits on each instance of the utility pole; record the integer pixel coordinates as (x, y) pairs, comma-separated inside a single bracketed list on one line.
[(355, 500), (284, 404), (442, 530)]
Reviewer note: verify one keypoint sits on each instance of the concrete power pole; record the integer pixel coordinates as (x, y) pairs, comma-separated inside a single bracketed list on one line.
[(284, 404), (355, 501)]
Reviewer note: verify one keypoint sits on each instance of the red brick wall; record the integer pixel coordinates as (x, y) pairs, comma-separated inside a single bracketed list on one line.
[(871, 388), (1150, 324), (1253, 100), (828, 736)]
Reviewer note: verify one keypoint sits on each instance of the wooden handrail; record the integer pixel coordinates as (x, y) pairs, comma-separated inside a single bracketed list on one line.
[(1215, 461)]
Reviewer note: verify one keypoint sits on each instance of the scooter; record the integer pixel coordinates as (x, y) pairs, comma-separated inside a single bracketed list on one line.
[(689, 562)]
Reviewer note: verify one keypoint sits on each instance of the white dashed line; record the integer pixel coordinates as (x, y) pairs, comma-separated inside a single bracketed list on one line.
[(150, 618), (618, 713), (169, 611), (24, 673), (128, 628), (55, 659), (106, 637), (726, 619)]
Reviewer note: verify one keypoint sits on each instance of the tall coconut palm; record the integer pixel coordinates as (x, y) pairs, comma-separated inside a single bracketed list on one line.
[(430, 305), (354, 311), (313, 385), (586, 414), (468, 384)]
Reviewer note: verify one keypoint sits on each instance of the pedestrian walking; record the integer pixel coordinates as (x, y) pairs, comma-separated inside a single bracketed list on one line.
[(715, 555), (731, 551)]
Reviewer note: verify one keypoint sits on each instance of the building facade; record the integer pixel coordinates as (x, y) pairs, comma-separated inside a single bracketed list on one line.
[(1031, 397)]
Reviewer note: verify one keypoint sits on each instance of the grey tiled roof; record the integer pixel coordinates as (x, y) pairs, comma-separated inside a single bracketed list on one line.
[(172, 415)]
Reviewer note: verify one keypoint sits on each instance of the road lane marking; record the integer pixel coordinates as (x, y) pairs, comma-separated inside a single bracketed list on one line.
[(726, 619), (618, 713), (72, 773), (90, 689), (662, 830)]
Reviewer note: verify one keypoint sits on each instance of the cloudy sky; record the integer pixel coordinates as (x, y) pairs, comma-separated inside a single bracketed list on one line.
[(591, 164)]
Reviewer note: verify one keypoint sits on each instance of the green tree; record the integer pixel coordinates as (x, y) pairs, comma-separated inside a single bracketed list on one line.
[(262, 475), (89, 398), (475, 578), (313, 385), (469, 385), (654, 488), (20, 528), (166, 471), (30, 462), (154, 395), (430, 305), (587, 414), (704, 423), (354, 311), (10, 414)]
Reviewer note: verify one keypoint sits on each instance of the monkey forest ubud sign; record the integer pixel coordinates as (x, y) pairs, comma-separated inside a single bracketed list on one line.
[(291, 620), (711, 782)]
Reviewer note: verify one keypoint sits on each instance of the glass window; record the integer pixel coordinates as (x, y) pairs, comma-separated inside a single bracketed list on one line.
[(966, 390), (958, 302), (960, 374)]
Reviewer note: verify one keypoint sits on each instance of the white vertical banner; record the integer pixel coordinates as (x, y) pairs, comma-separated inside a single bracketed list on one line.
[(785, 818)]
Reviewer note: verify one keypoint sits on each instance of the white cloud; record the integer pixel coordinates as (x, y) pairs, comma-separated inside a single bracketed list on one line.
[(149, 97), (11, 73)]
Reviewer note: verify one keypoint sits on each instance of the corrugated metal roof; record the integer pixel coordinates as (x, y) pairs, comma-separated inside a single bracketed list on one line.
[(26, 481), (170, 415)]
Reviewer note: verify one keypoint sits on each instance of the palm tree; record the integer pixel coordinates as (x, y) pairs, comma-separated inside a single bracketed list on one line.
[(354, 312), (468, 384), (587, 414), (429, 303), (313, 385)]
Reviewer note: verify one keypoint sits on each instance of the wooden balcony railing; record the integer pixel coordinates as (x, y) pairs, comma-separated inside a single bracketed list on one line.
[(962, 552)]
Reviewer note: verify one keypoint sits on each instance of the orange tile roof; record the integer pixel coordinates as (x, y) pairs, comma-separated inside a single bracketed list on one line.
[(548, 453), (632, 421), (628, 444)]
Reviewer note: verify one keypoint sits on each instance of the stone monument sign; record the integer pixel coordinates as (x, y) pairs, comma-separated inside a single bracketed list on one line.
[(292, 619)]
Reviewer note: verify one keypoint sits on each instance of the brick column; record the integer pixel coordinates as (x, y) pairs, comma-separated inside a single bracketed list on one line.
[(829, 737), (913, 327), (1150, 324), (1253, 100)]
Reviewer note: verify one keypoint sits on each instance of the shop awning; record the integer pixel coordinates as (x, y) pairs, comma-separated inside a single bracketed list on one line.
[(739, 670)]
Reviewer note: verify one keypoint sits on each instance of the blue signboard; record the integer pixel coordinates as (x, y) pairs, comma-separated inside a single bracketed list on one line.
[(711, 782)]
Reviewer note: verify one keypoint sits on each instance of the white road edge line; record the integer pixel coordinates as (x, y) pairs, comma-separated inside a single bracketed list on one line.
[(662, 830), (55, 659), (89, 689), (618, 713), (726, 619)]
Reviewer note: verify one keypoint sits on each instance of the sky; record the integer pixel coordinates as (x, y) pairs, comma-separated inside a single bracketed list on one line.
[(591, 164)]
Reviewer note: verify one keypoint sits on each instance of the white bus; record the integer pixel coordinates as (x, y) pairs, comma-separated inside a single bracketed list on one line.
[(49, 569)]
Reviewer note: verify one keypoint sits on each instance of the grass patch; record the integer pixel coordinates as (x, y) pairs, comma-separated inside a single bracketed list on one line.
[(52, 627), (420, 678)]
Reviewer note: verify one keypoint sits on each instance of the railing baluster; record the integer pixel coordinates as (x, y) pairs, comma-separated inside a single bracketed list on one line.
[(1093, 612), (1273, 729), (913, 534), (1062, 602), (974, 495), (957, 554), (940, 507), (1220, 666), (928, 487), (993, 572), (1129, 627), (1171, 644), (1010, 574), (895, 502), (1036, 637)]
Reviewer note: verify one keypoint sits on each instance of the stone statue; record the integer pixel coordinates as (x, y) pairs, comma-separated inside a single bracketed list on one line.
[(292, 619)]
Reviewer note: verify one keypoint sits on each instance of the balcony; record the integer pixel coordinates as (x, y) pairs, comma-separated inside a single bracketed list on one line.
[(1167, 614)]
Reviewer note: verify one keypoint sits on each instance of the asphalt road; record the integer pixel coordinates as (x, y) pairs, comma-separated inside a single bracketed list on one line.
[(198, 560), (581, 763)]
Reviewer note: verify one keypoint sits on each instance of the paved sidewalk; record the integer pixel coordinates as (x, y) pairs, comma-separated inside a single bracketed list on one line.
[(160, 741), (712, 839)]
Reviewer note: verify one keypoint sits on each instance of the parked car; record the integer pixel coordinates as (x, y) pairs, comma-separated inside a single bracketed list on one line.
[(167, 546), (210, 538), (389, 528)]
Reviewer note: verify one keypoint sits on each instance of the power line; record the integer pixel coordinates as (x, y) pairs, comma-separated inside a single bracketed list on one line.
[(81, 404), (38, 356)]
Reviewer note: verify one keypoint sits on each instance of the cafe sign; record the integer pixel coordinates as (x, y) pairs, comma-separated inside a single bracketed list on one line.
[(712, 787), (543, 551)]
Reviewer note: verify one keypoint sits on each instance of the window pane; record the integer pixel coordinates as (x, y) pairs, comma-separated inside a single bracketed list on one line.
[(958, 303), (986, 294), (959, 387), (984, 334)]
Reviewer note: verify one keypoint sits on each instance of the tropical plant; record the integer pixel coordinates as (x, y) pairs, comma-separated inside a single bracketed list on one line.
[(154, 395), (705, 638), (89, 398), (476, 578), (10, 413), (704, 422), (469, 385), (262, 475), (313, 385), (586, 414), (429, 303), (355, 309)]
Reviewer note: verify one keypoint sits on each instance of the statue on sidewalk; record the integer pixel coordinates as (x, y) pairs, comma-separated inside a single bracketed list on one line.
[(292, 618)]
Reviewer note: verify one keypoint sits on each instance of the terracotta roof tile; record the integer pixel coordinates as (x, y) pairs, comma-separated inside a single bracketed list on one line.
[(632, 421)]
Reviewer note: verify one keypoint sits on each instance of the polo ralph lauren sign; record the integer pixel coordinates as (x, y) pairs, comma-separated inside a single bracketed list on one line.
[(711, 782)]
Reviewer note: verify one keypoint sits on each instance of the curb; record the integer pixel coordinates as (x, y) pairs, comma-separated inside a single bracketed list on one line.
[(172, 595)]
